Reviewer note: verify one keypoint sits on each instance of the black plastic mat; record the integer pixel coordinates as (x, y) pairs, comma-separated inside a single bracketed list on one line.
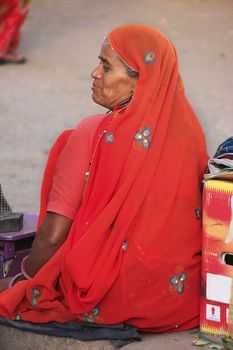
[(119, 334)]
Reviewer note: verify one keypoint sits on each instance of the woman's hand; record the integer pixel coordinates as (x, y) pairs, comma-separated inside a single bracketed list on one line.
[(52, 233), (49, 238)]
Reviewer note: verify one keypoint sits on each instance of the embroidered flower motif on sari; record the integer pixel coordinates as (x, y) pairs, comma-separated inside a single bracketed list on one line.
[(125, 245), (91, 316), (6, 266), (198, 213), (178, 282), (143, 137), (35, 296), (86, 176), (110, 137), (18, 317), (149, 57)]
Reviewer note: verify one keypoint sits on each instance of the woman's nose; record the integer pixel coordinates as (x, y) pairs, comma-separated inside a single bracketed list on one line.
[(96, 73)]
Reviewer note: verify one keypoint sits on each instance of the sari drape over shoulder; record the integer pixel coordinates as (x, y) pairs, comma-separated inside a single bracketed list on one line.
[(133, 252), (12, 15)]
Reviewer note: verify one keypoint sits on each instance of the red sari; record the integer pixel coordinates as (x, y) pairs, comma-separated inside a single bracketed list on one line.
[(133, 252), (12, 15)]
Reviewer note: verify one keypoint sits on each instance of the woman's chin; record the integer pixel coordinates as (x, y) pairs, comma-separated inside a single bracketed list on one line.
[(95, 98), (99, 102)]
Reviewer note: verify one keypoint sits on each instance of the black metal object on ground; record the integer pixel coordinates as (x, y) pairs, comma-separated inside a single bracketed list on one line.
[(9, 221), (4, 205)]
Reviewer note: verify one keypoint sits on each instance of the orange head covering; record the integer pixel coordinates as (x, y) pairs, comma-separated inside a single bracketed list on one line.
[(133, 249)]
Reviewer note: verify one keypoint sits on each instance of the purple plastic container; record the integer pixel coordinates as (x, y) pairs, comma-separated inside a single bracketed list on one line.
[(14, 246)]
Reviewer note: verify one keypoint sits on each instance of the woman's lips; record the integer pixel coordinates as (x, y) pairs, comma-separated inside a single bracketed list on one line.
[(94, 87)]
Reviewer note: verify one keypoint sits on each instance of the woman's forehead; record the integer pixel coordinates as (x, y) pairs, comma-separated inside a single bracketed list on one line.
[(108, 55)]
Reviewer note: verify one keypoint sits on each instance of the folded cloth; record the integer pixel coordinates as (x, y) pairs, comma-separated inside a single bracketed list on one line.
[(221, 165), (119, 334), (217, 165), (225, 149)]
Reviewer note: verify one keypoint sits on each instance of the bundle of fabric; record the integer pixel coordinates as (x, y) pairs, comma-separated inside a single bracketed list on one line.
[(221, 165)]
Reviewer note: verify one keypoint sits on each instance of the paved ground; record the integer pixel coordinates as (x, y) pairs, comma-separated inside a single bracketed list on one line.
[(52, 91)]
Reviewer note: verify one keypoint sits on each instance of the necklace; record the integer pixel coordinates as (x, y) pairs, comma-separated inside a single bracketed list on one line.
[(120, 106), (116, 110)]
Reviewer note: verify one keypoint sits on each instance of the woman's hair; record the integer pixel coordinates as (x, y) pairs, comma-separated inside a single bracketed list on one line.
[(131, 72)]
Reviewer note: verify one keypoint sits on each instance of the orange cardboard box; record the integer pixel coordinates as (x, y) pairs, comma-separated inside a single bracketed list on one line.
[(217, 257)]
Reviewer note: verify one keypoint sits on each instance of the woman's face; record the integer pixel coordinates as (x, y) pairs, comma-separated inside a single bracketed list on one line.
[(112, 85)]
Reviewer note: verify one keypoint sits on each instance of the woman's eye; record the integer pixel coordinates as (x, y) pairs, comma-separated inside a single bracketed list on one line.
[(106, 68)]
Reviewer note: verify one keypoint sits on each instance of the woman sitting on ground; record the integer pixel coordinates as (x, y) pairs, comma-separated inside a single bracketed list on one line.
[(119, 235)]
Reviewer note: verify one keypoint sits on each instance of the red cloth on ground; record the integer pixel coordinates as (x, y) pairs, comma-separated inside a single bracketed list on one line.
[(133, 252), (12, 15)]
